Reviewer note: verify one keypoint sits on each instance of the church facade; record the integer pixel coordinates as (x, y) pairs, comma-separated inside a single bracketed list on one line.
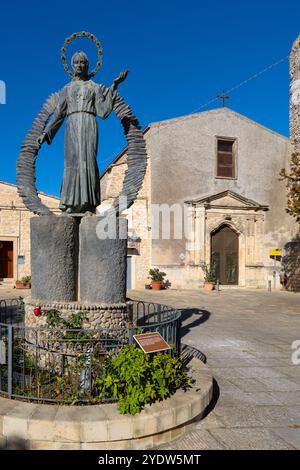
[(211, 197)]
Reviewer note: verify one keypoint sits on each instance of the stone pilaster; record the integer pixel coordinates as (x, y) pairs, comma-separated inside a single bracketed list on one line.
[(292, 258)]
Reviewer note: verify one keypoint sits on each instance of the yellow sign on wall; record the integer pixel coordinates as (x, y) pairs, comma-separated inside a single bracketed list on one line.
[(275, 252)]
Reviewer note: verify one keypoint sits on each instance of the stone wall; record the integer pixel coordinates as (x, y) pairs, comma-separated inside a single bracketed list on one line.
[(113, 316), (112, 180), (292, 259), (182, 166), (102, 427), (295, 94), (139, 216)]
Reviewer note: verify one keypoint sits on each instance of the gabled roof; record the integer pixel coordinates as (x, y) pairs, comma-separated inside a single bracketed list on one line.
[(227, 199), (194, 116), (39, 192), (223, 110), (120, 155)]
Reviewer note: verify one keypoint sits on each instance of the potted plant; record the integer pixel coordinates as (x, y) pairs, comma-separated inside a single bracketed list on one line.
[(157, 278), (24, 283), (209, 277)]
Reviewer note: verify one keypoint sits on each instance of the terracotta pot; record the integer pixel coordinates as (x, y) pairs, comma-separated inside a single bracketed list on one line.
[(209, 285), (156, 285), (19, 285)]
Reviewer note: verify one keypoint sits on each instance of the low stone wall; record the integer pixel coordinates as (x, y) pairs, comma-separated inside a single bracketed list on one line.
[(100, 427), (98, 315)]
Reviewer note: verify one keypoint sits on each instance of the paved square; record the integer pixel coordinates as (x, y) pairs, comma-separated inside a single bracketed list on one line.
[(246, 336)]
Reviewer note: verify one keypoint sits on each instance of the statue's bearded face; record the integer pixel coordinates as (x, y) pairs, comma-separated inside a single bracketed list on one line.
[(80, 64)]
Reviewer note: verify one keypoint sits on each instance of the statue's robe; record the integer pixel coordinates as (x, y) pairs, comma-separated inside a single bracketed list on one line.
[(80, 101)]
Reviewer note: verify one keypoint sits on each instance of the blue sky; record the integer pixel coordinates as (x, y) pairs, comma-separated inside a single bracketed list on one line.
[(180, 54)]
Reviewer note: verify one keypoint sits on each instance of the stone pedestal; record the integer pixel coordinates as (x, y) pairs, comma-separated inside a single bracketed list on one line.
[(70, 261), (54, 248), (98, 316), (102, 263)]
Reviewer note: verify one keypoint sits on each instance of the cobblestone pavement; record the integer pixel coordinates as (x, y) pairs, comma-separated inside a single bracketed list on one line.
[(13, 293), (246, 336)]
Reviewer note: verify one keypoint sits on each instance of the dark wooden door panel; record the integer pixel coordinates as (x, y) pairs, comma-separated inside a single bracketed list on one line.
[(6, 259), (224, 255), (215, 264), (231, 268)]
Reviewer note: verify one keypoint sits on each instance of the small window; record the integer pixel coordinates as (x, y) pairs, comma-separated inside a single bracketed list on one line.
[(225, 158)]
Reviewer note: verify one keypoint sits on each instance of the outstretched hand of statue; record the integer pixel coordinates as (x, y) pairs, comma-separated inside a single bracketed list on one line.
[(41, 139), (119, 79)]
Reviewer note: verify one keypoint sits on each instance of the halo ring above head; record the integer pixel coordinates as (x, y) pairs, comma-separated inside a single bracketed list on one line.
[(84, 34)]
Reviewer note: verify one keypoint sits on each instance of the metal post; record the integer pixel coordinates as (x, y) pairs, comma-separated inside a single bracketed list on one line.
[(269, 286), (130, 335), (274, 274), (10, 361), (2, 356), (130, 312), (85, 380), (218, 286), (178, 336), (158, 313)]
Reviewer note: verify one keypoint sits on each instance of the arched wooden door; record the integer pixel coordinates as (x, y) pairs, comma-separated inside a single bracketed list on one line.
[(6, 259), (225, 255)]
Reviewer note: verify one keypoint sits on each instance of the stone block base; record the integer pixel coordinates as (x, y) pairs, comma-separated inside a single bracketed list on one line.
[(71, 262), (102, 263), (54, 249)]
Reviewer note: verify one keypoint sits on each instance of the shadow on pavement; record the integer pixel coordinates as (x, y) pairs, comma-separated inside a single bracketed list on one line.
[(15, 443), (186, 313), (214, 400), (188, 352)]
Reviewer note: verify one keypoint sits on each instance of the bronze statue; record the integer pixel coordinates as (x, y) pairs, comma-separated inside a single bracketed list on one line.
[(80, 101)]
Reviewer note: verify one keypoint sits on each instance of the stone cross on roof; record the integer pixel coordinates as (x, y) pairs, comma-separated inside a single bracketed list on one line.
[(223, 97)]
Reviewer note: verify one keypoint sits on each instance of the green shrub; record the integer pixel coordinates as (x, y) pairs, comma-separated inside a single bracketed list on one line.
[(209, 273), (156, 275), (26, 279), (136, 378), (55, 320), (71, 328)]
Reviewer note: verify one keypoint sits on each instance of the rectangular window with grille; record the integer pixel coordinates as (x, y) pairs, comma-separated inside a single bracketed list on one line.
[(226, 158)]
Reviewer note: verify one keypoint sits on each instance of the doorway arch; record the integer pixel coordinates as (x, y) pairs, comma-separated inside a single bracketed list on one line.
[(225, 255)]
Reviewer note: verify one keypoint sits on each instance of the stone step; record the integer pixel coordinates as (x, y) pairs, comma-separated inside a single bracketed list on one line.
[(2, 442), (7, 283), (101, 427)]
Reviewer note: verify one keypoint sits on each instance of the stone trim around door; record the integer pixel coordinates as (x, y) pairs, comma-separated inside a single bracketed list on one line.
[(244, 216)]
